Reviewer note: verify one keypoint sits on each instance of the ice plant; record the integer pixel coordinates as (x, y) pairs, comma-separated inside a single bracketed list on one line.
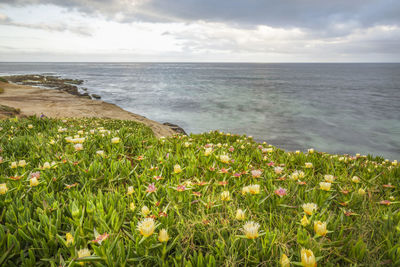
[(224, 158), (250, 229), (280, 192), (225, 196), (163, 236), (284, 261), (100, 152), (115, 140), (208, 151), (78, 147), (361, 192), (329, 178), (130, 190), (33, 181), (3, 189), (256, 173), (308, 258), (308, 165), (69, 239), (304, 221), (355, 179), (145, 211), (146, 227), (311, 150), (22, 163), (309, 208), (14, 165), (177, 169), (151, 188), (325, 186), (30, 126), (278, 170), (132, 206), (240, 215), (83, 253), (320, 228)]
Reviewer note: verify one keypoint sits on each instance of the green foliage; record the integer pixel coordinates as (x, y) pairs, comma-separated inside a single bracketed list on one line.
[(91, 197), (2, 79)]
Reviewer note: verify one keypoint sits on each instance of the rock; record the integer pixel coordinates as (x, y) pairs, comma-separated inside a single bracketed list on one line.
[(175, 128), (96, 96)]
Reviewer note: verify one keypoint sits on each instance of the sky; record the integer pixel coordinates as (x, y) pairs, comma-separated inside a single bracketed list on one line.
[(200, 30)]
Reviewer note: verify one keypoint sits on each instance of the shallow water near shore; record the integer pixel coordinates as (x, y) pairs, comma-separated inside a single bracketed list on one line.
[(337, 108)]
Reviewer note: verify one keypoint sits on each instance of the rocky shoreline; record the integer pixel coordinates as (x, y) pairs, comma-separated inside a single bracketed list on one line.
[(69, 86), (54, 82)]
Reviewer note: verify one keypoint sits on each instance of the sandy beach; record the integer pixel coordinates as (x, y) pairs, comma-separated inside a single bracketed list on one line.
[(59, 104)]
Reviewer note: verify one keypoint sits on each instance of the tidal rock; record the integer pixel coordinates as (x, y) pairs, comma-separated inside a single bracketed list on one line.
[(175, 128)]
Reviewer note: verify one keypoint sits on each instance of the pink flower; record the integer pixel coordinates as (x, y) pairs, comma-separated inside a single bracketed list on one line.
[(101, 238), (181, 188), (280, 192), (256, 173), (237, 174), (151, 188), (231, 149), (35, 174), (385, 202), (271, 164)]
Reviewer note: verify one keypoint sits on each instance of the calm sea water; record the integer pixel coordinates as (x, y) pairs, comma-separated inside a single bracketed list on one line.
[(337, 108)]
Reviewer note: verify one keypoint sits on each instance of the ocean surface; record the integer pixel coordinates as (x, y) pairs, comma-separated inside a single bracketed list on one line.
[(336, 108)]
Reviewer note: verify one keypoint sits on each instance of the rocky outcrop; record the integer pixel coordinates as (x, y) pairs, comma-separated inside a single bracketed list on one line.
[(175, 128)]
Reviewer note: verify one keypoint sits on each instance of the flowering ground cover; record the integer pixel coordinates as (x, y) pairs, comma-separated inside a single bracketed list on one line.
[(108, 193)]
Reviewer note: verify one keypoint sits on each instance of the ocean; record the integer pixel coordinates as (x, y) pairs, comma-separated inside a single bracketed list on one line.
[(335, 108)]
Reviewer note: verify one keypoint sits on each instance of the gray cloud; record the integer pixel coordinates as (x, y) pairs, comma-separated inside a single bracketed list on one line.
[(311, 14), (61, 27)]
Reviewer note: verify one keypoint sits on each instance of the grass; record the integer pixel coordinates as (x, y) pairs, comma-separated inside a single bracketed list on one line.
[(2, 79), (72, 200)]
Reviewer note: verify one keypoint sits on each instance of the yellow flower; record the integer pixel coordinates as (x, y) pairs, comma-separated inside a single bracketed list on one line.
[(146, 227), (270, 150), (329, 178), (394, 163), (208, 151), (224, 158), (245, 190), (297, 152), (130, 190), (52, 142), (304, 221), (83, 253), (250, 229), (308, 165), (308, 258), (187, 144), (145, 210), (100, 152), (46, 165), (33, 181), (254, 189), (30, 126), (311, 151), (355, 179), (22, 163), (285, 262), (225, 196), (361, 192), (69, 238), (78, 147), (13, 165), (3, 189), (309, 208), (177, 168), (325, 186), (80, 132), (163, 236), (240, 215), (320, 228), (115, 140), (132, 206)]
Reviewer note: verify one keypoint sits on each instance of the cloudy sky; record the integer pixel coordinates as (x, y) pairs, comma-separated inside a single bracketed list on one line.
[(200, 30)]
